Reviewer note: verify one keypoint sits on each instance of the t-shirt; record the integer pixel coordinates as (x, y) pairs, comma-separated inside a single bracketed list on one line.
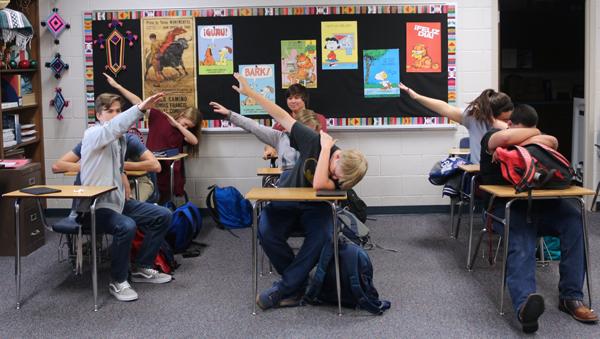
[(476, 130), (490, 172), (320, 117), (308, 144)]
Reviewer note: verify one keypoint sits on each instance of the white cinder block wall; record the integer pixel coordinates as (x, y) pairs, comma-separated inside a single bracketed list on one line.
[(399, 161)]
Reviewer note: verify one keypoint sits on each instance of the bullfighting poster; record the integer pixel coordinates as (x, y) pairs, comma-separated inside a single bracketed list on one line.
[(168, 46), (339, 41), (381, 72), (215, 49), (423, 47), (299, 63), (262, 79)]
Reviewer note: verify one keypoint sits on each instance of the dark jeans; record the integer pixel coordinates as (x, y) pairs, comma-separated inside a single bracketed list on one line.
[(277, 221), (555, 217), (153, 221)]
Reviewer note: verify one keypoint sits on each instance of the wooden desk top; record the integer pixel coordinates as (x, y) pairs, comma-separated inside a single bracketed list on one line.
[(459, 151), (264, 171), (471, 168), (129, 173), (288, 194), (505, 191), (66, 192), (173, 158)]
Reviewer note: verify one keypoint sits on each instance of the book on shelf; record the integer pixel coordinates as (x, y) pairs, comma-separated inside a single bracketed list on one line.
[(8, 144), (8, 137), (14, 163), (27, 94), (17, 152), (10, 85), (11, 121), (26, 126), (27, 132), (28, 139)]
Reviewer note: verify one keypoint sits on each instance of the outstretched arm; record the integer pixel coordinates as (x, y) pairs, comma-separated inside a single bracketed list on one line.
[(438, 106), (66, 163), (134, 99), (321, 181), (278, 113), (511, 136)]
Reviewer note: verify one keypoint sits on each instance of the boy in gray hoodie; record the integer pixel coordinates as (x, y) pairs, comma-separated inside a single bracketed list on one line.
[(102, 157)]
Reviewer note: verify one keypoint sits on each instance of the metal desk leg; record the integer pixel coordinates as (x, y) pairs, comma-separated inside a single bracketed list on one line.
[(593, 207), (254, 255), (336, 256), (172, 181), (136, 183), (586, 252), (94, 263), (471, 212), (18, 253), (506, 223)]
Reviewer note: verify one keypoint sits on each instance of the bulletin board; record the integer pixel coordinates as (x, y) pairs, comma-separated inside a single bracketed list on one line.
[(257, 35)]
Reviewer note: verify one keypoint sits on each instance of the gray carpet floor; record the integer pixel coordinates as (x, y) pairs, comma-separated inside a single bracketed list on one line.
[(431, 292)]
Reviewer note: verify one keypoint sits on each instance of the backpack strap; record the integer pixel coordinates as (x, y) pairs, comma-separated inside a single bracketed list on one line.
[(211, 204), (364, 301), (314, 288)]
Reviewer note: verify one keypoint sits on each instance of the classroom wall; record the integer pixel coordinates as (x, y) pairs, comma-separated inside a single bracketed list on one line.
[(399, 161)]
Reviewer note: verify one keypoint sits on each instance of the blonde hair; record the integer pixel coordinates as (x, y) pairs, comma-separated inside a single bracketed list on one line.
[(195, 116), (309, 118), (354, 165)]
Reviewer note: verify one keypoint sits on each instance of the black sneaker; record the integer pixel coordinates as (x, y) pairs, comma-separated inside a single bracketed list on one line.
[(531, 310)]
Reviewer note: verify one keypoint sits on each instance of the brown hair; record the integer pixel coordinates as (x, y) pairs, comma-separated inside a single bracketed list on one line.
[(489, 105), (105, 100), (354, 165), (309, 118), (195, 116), (298, 90)]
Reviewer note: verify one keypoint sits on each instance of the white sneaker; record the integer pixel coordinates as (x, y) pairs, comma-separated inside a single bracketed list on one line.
[(149, 275), (122, 291)]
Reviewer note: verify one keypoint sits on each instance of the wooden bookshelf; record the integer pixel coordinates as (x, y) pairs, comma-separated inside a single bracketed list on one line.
[(31, 113)]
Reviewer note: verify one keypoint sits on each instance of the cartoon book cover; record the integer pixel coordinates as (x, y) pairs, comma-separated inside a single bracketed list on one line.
[(299, 63), (168, 64), (423, 47), (262, 79), (381, 69), (339, 41), (215, 49)]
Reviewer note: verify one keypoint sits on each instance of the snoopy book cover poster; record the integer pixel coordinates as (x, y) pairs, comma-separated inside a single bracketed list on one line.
[(215, 49), (169, 46), (339, 41), (381, 72), (262, 79), (423, 47), (299, 63)]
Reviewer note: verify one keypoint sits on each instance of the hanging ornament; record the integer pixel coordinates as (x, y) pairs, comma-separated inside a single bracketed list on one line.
[(115, 58), (100, 41), (57, 66), (59, 103), (55, 24), (130, 37)]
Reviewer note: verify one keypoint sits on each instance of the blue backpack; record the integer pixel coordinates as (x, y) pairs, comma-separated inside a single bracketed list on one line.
[(186, 223), (356, 280), (228, 208)]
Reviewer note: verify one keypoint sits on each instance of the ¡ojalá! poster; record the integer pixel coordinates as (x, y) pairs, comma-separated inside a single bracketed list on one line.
[(215, 49), (339, 41), (262, 79), (299, 63), (381, 72), (423, 47)]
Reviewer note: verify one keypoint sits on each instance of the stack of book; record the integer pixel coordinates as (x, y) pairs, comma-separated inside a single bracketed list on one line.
[(10, 85), (11, 130), (8, 137), (28, 132), (14, 163)]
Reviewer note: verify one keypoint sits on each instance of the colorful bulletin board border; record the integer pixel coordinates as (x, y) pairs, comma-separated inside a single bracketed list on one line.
[(448, 9)]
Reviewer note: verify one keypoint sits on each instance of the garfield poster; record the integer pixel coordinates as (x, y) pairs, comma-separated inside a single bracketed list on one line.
[(423, 47), (168, 52)]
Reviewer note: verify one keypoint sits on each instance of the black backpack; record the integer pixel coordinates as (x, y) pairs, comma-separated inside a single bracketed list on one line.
[(356, 280), (355, 205)]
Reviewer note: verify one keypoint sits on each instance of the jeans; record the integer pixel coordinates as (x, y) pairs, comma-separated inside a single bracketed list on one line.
[(556, 217), (277, 221), (153, 221)]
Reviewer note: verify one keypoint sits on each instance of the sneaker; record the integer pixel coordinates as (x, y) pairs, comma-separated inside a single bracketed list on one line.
[(122, 291), (531, 310), (293, 300), (269, 298), (149, 275)]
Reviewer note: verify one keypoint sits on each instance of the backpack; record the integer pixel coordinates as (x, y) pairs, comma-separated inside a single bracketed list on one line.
[(355, 205), (228, 207), (445, 169), (356, 280), (186, 223), (164, 261), (352, 227), (534, 166)]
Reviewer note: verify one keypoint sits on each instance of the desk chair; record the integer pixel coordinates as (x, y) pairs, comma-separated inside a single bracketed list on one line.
[(463, 152)]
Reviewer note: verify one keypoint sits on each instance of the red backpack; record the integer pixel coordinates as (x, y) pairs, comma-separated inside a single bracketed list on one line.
[(534, 166)]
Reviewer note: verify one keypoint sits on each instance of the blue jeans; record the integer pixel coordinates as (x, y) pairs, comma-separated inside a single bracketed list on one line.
[(555, 217), (153, 221), (277, 221)]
